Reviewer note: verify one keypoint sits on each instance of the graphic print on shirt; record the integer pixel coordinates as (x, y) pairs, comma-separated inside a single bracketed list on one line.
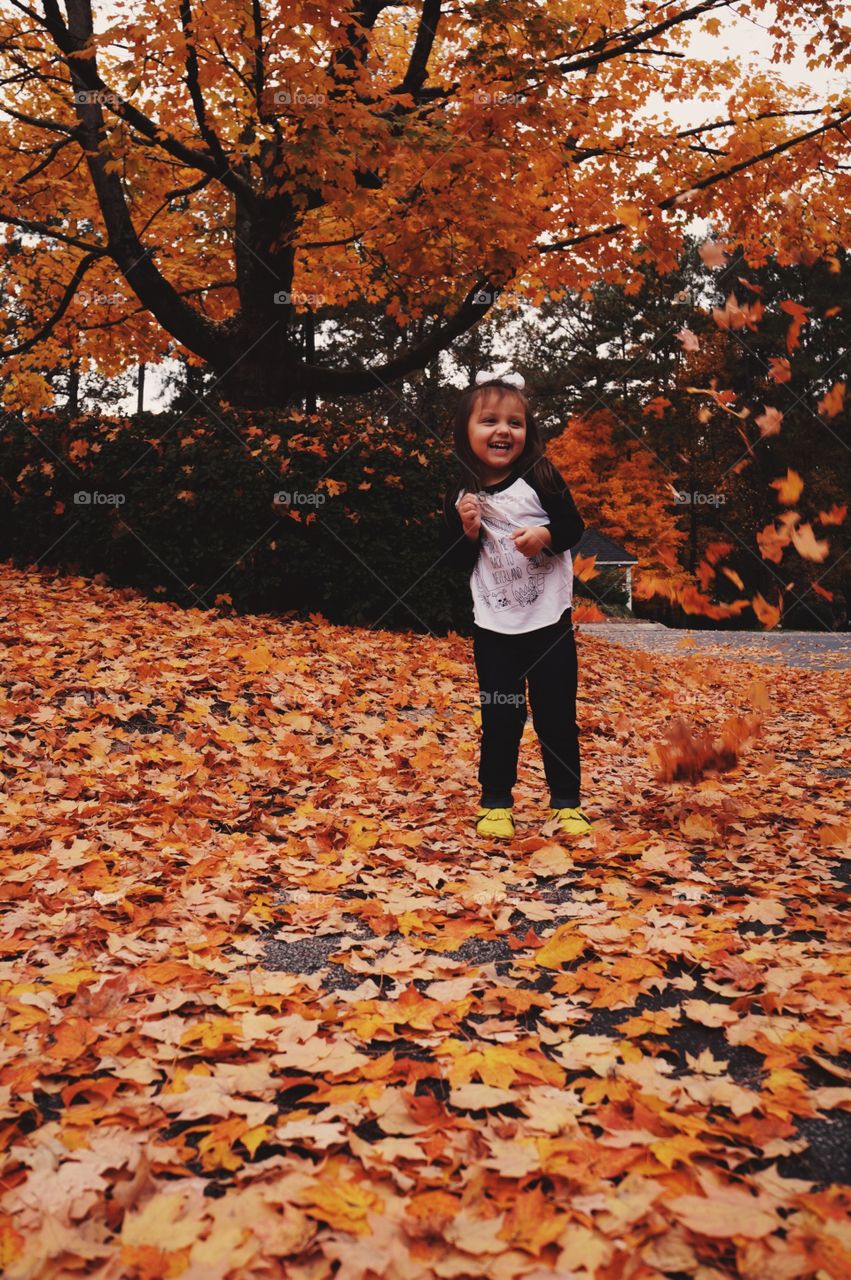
[(515, 578)]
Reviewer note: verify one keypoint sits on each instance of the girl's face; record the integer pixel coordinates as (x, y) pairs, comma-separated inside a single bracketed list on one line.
[(497, 432)]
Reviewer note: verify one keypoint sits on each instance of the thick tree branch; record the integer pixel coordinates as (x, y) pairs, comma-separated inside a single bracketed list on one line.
[(74, 41), (351, 381), (208, 133), (125, 248), (136, 311), (417, 72)]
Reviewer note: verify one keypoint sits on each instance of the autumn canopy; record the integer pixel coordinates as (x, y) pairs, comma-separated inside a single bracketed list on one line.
[(201, 178)]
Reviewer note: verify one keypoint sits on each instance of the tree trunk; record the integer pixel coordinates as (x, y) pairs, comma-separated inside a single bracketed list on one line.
[(73, 403), (140, 389)]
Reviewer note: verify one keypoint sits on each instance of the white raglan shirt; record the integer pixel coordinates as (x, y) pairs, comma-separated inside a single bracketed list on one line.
[(513, 593)]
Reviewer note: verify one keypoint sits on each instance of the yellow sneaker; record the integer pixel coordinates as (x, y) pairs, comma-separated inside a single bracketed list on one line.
[(572, 822), (495, 822)]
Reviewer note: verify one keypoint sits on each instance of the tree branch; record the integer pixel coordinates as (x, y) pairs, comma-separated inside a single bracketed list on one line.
[(198, 105), (417, 72), (135, 311), (42, 228), (74, 41), (49, 325), (53, 152), (350, 381), (703, 184), (175, 195), (125, 248), (764, 115), (765, 155), (72, 131), (608, 52)]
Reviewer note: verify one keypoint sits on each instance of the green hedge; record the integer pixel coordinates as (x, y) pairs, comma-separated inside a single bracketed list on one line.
[(185, 510)]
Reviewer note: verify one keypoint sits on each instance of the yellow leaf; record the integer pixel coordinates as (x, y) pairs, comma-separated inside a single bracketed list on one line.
[(789, 487), (163, 1222), (565, 945), (342, 1204)]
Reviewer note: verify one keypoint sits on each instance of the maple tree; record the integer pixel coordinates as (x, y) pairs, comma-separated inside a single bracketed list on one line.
[(623, 492), (200, 178), (269, 1010)]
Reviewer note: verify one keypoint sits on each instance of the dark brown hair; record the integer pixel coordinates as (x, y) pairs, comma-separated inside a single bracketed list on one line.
[(532, 461)]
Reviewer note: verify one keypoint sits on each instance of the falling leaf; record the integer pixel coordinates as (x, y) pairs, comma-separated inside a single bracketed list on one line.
[(780, 369), (799, 316), (836, 514), (789, 487), (712, 255), (807, 545), (768, 614), (833, 402), (769, 421)]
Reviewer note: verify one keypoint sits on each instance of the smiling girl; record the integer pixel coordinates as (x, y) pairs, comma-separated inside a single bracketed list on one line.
[(510, 521)]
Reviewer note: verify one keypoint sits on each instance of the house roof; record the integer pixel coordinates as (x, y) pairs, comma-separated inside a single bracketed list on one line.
[(607, 551)]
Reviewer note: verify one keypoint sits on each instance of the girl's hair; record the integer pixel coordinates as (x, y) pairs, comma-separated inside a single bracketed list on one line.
[(532, 461)]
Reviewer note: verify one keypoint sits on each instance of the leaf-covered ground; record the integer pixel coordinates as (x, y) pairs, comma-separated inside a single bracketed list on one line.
[(273, 1009)]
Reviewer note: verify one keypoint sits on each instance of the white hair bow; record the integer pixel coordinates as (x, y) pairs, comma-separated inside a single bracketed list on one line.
[(501, 373)]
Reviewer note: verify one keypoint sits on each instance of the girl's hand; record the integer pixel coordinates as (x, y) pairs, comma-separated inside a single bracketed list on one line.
[(532, 539), (471, 515)]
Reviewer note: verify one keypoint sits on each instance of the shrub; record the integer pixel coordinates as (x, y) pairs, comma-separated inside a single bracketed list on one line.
[(185, 510)]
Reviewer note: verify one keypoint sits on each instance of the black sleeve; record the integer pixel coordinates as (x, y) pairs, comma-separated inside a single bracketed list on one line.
[(565, 523), (457, 550)]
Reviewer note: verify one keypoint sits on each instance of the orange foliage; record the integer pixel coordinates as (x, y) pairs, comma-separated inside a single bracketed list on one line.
[(622, 491)]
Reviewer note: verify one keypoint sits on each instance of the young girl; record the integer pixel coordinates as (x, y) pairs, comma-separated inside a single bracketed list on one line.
[(509, 521)]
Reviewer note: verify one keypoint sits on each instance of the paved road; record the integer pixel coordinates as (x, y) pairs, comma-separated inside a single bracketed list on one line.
[(819, 650)]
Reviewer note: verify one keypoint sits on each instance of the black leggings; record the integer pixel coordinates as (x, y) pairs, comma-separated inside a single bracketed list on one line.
[(546, 658)]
